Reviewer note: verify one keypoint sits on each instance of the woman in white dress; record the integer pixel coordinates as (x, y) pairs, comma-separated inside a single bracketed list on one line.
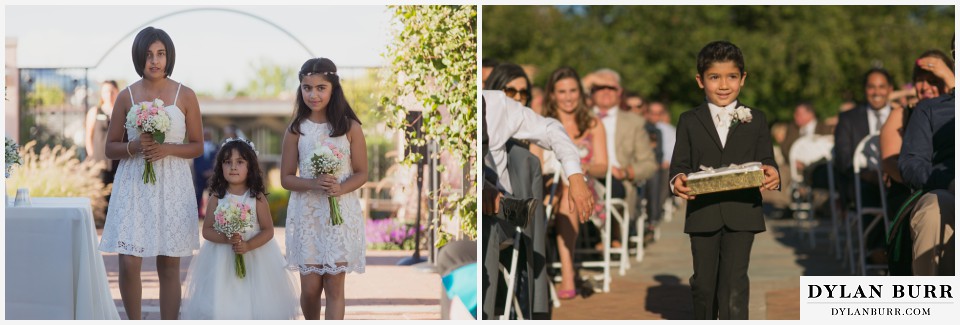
[(146, 220), (321, 251)]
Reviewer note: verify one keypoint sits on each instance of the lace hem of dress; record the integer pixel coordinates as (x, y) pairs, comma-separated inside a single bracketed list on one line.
[(306, 269), (129, 247)]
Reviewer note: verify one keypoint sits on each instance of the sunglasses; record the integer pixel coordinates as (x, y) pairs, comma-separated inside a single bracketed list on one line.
[(635, 106), (513, 92), (597, 88)]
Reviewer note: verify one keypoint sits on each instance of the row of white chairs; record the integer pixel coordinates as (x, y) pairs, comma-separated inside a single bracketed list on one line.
[(858, 222)]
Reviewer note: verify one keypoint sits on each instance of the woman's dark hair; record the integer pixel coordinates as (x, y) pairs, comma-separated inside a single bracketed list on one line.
[(141, 44), (719, 51), (581, 114), (338, 110), (503, 74), (921, 74), (218, 183)]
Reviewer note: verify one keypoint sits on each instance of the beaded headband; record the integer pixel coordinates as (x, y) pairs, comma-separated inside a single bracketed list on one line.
[(247, 142)]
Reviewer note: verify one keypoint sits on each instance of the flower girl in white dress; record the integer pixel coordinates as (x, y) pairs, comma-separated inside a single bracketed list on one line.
[(269, 290)]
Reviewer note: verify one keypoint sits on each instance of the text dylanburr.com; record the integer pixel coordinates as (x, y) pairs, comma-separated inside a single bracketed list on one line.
[(854, 298)]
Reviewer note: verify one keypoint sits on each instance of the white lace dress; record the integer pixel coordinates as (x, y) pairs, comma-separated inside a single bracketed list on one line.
[(153, 219), (313, 244), (268, 291)]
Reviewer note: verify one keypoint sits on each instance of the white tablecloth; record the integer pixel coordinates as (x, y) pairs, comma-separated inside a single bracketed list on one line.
[(53, 268)]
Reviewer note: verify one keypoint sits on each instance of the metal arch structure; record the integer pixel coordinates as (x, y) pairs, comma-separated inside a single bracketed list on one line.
[(243, 13)]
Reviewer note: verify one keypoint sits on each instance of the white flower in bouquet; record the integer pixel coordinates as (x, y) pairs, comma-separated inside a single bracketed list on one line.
[(149, 117), (12, 156), (742, 115), (327, 159)]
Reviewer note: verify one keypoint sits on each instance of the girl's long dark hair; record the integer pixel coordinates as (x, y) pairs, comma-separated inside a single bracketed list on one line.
[(218, 184), (338, 110), (582, 114), (503, 74)]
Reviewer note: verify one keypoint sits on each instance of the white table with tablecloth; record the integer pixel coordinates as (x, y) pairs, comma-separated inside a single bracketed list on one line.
[(53, 268)]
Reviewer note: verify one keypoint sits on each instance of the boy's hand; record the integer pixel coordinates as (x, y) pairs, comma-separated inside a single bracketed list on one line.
[(771, 178), (680, 187)]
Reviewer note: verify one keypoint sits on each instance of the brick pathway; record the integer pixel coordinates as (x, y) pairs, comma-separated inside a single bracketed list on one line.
[(658, 287), (385, 291)]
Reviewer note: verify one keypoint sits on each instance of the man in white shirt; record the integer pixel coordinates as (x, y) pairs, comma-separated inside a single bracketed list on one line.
[(629, 151), (503, 119)]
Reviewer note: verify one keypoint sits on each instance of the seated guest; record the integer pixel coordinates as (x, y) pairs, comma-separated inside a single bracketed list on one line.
[(927, 163), (928, 83), (504, 119)]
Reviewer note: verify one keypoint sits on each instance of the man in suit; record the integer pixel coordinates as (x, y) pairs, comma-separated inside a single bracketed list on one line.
[(804, 124), (629, 151), (853, 126), (722, 225)]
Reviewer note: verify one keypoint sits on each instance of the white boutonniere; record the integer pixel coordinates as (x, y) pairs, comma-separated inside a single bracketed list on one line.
[(741, 114)]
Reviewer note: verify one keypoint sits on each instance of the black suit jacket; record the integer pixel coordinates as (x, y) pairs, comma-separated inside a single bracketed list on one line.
[(698, 143), (852, 127)]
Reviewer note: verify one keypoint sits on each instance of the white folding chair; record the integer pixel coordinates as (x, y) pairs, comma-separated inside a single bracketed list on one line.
[(866, 158), (614, 209), (510, 276), (555, 168), (806, 150), (640, 229)]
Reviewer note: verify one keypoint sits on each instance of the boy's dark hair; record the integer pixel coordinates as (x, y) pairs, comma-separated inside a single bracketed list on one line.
[(141, 44), (218, 183), (338, 110), (719, 51), (882, 71), (503, 74)]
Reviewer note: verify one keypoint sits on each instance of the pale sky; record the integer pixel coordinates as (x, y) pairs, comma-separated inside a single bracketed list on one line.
[(212, 46)]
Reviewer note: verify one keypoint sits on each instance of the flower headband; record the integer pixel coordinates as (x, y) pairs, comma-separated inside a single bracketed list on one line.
[(247, 142), (325, 73)]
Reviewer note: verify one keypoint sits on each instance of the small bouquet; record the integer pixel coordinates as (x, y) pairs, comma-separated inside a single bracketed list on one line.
[(12, 156), (327, 159), (149, 117), (233, 218)]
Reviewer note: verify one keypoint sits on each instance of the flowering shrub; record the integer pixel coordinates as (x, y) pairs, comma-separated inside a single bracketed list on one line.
[(390, 234)]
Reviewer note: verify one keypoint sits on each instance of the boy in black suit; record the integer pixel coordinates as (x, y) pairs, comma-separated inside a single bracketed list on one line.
[(722, 225)]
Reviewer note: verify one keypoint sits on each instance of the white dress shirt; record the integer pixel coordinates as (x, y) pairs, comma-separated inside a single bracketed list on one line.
[(872, 118), (669, 135), (809, 130), (610, 126), (507, 118), (722, 119)]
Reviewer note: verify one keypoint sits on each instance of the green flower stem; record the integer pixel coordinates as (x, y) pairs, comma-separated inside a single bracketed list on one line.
[(335, 217), (240, 267), (149, 175)]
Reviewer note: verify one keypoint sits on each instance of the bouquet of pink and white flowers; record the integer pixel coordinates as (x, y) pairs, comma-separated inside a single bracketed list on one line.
[(149, 117), (327, 159), (232, 218)]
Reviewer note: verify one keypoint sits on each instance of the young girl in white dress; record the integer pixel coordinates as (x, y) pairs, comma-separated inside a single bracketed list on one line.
[(146, 220), (321, 251), (214, 291)]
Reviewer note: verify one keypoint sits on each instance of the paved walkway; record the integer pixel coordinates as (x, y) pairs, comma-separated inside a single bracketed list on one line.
[(385, 291), (658, 287)]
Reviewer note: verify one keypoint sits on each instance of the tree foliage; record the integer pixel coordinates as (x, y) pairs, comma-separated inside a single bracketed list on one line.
[(432, 65), (792, 53)]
